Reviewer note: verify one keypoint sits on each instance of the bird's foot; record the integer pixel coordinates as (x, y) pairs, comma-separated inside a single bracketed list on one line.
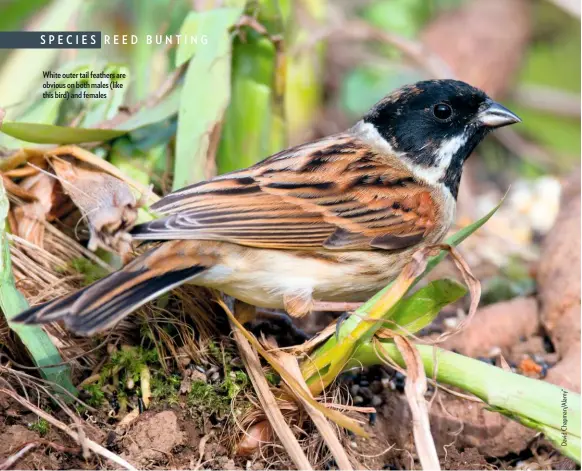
[(334, 306)]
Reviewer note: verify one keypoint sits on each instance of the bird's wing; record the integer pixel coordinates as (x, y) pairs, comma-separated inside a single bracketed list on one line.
[(335, 194)]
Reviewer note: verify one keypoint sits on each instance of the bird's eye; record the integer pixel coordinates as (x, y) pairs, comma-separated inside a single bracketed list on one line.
[(442, 111)]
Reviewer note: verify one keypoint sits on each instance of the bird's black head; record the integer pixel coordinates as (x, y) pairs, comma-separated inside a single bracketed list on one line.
[(435, 125)]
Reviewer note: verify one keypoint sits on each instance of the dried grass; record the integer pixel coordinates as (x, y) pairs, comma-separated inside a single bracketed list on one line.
[(43, 269), (42, 265)]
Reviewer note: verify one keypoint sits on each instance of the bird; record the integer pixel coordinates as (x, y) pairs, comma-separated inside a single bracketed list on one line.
[(326, 223)]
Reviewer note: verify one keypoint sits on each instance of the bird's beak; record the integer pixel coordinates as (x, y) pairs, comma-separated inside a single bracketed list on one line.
[(494, 115)]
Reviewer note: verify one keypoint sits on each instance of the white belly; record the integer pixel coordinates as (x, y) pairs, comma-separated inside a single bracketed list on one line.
[(263, 277)]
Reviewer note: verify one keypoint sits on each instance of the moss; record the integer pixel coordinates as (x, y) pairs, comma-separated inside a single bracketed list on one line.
[(207, 398), (96, 394), (91, 271), (166, 388), (235, 382), (41, 426), (131, 360), (273, 378)]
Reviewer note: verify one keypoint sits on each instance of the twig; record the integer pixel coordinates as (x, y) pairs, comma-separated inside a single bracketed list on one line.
[(334, 415), (125, 114), (415, 389), (306, 347), (201, 448), (26, 447), (415, 51), (8, 462), (474, 290), (552, 100), (83, 441)]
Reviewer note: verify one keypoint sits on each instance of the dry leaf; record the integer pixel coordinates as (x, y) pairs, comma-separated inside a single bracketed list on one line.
[(12, 159), (335, 416), (44, 194), (415, 389), (266, 397), (327, 432), (104, 200)]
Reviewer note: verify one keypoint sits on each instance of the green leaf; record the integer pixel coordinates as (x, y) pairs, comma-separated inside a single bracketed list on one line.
[(420, 308), (254, 126), (535, 403), (245, 134), (166, 108), (206, 91), (12, 302), (21, 73), (146, 20), (42, 110), (366, 85), (403, 17), (97, 111), (190, 28), (51, 134), (13, 15)]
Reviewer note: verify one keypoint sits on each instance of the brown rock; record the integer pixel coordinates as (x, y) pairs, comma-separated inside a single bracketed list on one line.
[(498, 325), (466, 424)]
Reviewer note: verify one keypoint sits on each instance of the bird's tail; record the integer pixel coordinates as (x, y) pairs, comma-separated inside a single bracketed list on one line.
[(107, 301)]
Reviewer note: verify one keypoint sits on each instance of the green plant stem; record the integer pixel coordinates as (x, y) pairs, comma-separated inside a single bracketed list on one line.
[(330, 349), (532, 402), (12, 302)]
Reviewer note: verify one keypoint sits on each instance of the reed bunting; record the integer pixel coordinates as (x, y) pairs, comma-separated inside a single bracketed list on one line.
[(322, 224)]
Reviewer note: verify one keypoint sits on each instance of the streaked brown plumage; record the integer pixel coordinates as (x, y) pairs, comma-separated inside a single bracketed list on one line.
[(331, 220)]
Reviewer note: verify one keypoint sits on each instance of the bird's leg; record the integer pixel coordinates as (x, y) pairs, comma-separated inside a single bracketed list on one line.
[(301, 304), (334, 306), (298, 304)]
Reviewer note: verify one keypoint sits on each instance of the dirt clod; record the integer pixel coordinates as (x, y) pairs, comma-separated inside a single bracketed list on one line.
[(499, 325), (469, 458), (456, 421), (153, 438), (14, 438)]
